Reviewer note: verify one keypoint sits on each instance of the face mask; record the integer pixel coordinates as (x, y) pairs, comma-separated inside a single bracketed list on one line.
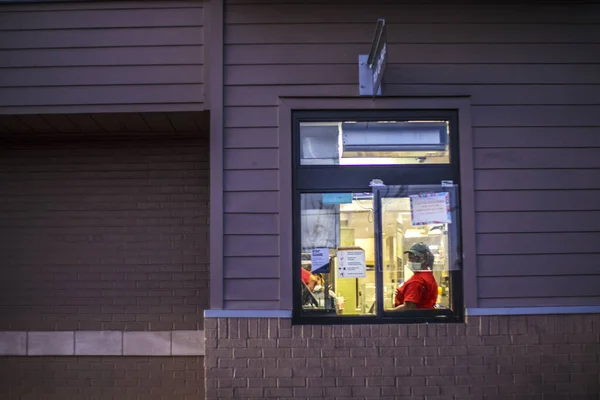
[(413, 266)]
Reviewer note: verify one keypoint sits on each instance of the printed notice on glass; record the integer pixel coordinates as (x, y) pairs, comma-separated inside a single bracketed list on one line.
[(351, 263), (430, 208), (319, 259)]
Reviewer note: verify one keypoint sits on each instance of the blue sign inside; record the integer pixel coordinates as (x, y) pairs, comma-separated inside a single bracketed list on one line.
[(337, 198)]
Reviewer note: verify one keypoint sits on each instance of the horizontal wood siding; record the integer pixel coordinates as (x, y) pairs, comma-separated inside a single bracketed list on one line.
[(92, 55), (532, 74)]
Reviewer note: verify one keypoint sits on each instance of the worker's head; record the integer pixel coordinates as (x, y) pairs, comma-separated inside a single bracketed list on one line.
[(420, 258)]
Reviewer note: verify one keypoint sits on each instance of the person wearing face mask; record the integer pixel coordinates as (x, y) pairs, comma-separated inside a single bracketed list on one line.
[(420, 290)]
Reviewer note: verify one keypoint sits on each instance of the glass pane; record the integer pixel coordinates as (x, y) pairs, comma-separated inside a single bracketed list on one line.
[(416, 242), (374, 142), (338, 253)]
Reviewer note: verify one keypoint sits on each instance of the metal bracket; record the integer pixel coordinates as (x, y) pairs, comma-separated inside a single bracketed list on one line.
[(365, 77)]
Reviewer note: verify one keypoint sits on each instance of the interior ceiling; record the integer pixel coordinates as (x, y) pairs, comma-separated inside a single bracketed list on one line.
[(112, 124)]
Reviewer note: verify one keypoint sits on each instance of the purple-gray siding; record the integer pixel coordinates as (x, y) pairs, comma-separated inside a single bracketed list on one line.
[(102, 57), (532, 74)]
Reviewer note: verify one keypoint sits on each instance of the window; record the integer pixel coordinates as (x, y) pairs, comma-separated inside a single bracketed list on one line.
[(376, 216)]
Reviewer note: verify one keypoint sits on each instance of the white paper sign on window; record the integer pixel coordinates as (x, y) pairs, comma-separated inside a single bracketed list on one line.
[(319, 259), (430, 208), (351, 263)]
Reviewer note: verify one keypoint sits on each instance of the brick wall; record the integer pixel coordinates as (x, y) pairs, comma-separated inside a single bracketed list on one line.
[(89, 378), (104, 234), (516, 357)]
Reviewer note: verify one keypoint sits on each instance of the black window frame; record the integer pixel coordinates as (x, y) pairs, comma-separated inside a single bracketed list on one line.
[(351, 178)]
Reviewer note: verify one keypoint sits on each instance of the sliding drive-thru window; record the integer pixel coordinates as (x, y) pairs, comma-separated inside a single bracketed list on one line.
[(376, 216)]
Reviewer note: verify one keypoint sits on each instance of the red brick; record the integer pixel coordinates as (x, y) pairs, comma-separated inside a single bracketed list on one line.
[(579, 324), (339, 352), (279, 392), (315, 362), (362, 352), (498, 379), (247, 353), (64, 377), (230, 382), (410, 361), (366, 391), (233, 343), (326, 372), (291, 342), (514, 369), (243, 328), (278, 372), (541, 368), (291, 382), (305, 352), (584, 338), (411, 381), (425, 390), (381, 381), (556, 378), (484, 391), (111, 214), (327, 331), (291, 363), (438, 341), (261, 382), (453, 350), (219, 393), (468, 360), (310, 392), (439, 361), (472, 380), (396, 391), (220, 373), (440, 380), (349, 342), (586, 377), (457, 391), (243, 393), (409, 342), (555, 358), (380, 342), (320, 382), (481, 369), (262, 363), (525, 339), (337, 391), (321, 342), (368, 371), (248, 373), (422, 351), (378, 361)]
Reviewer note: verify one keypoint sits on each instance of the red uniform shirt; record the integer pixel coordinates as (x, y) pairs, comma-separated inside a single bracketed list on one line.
[(421, 289), (305, 275)]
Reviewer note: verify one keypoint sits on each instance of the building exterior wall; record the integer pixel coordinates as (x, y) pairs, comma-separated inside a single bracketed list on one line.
[(530, 73), (102, 56), (104, 234), (77, 378), (493, 357), (105, 207)]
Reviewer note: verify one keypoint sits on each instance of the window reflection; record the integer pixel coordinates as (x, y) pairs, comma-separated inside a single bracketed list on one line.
[(374, 142)]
